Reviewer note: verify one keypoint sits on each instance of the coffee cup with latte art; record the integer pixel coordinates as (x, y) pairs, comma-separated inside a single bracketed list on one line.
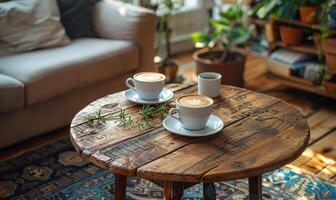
[(193, 111), (148, 85)]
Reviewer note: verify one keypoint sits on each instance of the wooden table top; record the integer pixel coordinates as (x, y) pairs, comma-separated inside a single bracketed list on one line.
[(261, 134)]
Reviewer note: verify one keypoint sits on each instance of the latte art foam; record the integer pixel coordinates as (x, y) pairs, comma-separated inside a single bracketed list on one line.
[(195, 101), (149, 77)]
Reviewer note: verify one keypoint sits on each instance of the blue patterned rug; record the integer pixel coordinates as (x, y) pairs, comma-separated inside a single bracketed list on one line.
[(56, 171)]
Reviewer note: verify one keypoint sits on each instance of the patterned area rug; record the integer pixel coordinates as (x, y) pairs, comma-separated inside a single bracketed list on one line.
[(56, 171)]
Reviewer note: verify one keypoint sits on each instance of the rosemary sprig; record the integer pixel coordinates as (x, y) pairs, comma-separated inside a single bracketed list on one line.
[(123, 118), (146, 114), (96, 118), (162, 109), (142, 124)]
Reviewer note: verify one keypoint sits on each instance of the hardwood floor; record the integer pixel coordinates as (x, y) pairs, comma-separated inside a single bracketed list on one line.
[(319, 158)]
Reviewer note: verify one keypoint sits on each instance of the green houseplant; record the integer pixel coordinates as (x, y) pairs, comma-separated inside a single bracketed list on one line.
[(327, 26), (329, 45), (281, 9), (264, 8), (218, 53), (308, 11)]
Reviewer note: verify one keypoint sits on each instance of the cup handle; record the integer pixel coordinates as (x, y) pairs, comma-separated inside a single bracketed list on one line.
[(130, 83), (172, 111)]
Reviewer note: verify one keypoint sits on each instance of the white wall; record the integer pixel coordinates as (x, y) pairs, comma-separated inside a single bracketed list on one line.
[(192, 18)]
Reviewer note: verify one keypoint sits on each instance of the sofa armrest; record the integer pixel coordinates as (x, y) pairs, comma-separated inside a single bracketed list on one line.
[(12, 96), (117, 20)]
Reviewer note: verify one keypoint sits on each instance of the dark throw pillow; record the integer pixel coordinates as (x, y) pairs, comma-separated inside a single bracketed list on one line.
[(76, 17)]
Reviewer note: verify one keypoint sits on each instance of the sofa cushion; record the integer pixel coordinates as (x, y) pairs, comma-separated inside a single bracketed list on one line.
[(11, 94), (76, 17), (30, 24), (52, 72)]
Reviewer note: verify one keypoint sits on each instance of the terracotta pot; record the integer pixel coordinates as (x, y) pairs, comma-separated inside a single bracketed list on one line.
[(329, 48), (330, 87), (231, 70), (291, 35), (308, 14)]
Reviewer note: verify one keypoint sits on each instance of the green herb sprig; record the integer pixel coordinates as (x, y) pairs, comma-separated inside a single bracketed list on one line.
[(147, 113), (123, 118), (96, 118)]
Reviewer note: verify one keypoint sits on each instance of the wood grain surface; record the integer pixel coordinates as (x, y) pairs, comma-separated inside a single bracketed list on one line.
[(261, 133)]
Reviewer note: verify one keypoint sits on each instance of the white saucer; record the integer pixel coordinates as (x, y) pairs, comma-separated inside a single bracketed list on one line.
[(165, 95), (213, 126)]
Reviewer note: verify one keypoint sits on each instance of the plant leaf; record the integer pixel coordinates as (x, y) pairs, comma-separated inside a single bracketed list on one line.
[(201, 39), (233, 13), (239, 35), (220, 23)]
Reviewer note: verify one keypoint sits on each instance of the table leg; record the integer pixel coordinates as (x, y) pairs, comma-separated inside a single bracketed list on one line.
[(172, 190), (209, 191), (120, 187), (255, 187)]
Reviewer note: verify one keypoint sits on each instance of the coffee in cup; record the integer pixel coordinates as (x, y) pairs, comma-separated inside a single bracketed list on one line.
[(148, 85), (193, 111), (149, 77), (194, 101)]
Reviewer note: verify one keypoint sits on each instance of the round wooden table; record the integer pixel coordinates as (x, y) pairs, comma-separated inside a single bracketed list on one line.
[(261, 134)]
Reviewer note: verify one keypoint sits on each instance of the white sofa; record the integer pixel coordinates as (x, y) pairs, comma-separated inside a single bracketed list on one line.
[(42, 90)]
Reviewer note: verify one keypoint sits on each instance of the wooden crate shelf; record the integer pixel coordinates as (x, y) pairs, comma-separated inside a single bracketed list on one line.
[(272, 31), (315, 27), (316, 89), (298, 23), (304, 48)]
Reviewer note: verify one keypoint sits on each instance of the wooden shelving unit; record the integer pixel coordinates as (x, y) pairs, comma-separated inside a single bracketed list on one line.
[(298, 23), (304, 48), (316, 89), (294, 81)]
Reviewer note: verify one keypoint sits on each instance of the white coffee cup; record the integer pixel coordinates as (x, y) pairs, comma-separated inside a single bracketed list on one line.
[(193, 115), (148, 85), (209, 84)]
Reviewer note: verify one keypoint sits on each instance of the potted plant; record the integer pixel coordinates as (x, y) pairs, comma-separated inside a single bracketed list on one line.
[(308, 11), (290, 35), (329, 42), (219, 55)]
